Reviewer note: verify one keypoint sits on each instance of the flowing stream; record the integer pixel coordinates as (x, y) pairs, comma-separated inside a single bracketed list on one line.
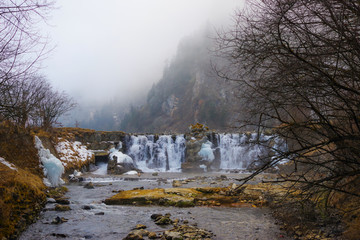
[(101, 221)]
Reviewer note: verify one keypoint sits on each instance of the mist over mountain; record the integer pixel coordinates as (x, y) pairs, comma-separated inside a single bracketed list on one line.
[(188, 92)]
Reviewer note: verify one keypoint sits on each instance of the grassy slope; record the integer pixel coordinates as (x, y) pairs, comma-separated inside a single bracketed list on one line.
[(21, 199), (21, 192)]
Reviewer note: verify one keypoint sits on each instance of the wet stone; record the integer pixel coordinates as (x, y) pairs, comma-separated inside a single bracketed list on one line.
[(132, 236), (156, 216), (59, 235), (176, 183), (164, 221), (117, 191), (141, 232), (59, 220), (140, 226), (89, 185), (173, 235), (137, 234), (63, 201), (62, 208), (87, 207), (152, 235)]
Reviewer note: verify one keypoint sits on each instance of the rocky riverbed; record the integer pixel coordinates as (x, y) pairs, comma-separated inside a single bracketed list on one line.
[(86, 216)]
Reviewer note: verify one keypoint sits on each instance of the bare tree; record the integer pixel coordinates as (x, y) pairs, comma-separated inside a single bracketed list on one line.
[(31, 100), (25, 97), (297, 63), (52, 106), (21, 44), (22, 97)]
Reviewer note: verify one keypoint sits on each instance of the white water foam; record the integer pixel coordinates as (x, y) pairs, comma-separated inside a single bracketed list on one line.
[(102, 169)]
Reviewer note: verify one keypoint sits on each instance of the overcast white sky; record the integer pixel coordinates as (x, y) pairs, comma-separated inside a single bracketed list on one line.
[(114, 47)]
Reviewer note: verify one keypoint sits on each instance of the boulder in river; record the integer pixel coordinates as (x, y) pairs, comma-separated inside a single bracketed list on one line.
[(62, 208), (176, 183), (120, 163), (137, 234), (89, 185)]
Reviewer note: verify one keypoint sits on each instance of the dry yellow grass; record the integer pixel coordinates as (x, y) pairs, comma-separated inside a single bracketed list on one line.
[(21, 198)]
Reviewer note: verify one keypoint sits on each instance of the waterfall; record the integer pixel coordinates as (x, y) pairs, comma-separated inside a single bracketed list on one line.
[(152, 153), (230, 151), (239, 151)]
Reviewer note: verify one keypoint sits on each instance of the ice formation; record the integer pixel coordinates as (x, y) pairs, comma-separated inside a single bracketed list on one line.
[(152, 153), (161, 153), (75, 175), (121, 158), (9, 165), (239, 151), (206, 152), (53, 168), (131, 173)]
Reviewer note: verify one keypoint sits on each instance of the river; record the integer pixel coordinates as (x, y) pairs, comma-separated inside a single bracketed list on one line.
[(102, 221)]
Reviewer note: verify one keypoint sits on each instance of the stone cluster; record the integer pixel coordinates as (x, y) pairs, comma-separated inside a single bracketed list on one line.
[(177, 232)]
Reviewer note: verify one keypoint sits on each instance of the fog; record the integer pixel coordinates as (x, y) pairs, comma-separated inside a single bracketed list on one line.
[(117, 49)]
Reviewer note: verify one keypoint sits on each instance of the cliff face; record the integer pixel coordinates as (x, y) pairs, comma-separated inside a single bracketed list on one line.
[(188, 92)]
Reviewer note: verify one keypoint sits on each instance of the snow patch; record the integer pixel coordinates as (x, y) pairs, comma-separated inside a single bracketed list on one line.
[(53, 168), (72, 151), (10, 165)]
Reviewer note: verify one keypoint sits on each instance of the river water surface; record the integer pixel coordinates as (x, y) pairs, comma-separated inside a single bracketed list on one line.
[(115, 222)]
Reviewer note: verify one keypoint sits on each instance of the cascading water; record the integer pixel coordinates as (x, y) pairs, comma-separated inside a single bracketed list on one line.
[(238, 151), (224, 151), (150, 153)]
